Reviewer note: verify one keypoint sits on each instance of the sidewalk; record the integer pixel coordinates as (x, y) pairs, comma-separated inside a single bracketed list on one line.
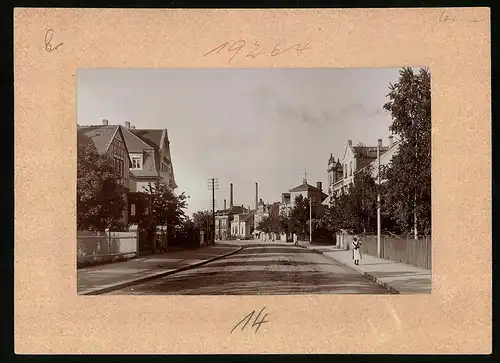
[(104, 278), (395, 276)]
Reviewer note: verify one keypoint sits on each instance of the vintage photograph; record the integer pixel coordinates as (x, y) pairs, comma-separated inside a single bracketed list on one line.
[(253, 181)]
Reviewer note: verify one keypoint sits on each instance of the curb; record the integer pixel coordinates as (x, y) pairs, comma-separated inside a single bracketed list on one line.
[(365, 274), (128, 283)]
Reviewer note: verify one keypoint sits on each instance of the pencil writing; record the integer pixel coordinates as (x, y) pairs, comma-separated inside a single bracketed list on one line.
[(49, 34), (256, 323), (255, 49)]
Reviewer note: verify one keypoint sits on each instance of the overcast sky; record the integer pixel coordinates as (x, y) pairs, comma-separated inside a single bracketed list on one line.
[(244, 125)]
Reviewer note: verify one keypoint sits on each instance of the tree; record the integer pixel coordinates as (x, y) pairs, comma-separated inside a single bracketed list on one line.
[(299, 217), (167, 209), (203, 220), (408, 187), (100, 202)]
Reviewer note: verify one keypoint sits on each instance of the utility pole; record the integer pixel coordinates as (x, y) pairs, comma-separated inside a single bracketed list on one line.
[(213, 211), (379, 224), (213, 184), (310, 220)]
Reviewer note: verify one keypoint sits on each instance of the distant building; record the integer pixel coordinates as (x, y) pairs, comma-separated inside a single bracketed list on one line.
[(265, 211), (355, 159), (314, 194), (242, 225)]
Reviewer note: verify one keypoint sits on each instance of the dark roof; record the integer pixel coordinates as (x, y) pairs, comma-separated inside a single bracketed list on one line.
[(236, 209), (151, 137), (368, 151), (134, 143), (245, 217), (233, 210), (304, 187), (144, 173), (101, 136)]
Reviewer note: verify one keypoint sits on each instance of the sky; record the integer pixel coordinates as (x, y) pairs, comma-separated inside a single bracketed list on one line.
[(243, 126)]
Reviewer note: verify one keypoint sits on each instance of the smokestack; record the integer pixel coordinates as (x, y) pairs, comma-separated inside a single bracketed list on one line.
[(225, 204), (127, 125), (256, 195), (105, 122), (391, 140), (319, 186), (231, 195)]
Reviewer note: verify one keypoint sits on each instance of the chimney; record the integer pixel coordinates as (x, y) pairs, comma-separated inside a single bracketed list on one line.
[(379, 142), (127, 125), (349, 143), (391, 140), (319, 186), (231, 195), (132, 127), (225, 204), (105, 122), (256, 195)]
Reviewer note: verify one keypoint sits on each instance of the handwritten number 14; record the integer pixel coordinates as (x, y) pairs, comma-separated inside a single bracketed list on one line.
[(256, 323)]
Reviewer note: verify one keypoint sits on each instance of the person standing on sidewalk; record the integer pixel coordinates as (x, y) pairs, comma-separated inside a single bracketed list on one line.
[(356, 249)]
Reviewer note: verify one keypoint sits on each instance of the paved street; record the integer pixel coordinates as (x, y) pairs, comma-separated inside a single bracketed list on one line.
[(262, 268)]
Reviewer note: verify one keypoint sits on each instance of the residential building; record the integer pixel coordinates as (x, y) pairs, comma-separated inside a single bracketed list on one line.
[(356, 158), (314, 194), (142, 156), (109, 139), (285, 206), (242, 225), (225, 217)]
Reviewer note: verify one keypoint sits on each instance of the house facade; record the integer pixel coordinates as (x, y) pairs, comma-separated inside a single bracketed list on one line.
[(314, 194), (141, 156), (223, 220), (242, 225), (109, 139), (355, 159)]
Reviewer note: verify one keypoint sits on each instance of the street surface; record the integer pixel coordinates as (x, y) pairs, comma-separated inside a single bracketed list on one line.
[(262, 268)]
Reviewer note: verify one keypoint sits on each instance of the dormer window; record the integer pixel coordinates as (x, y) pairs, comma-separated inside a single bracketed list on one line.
[(136, 161)]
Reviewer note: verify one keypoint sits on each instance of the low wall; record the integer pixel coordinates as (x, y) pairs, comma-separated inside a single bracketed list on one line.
[(98, 247)]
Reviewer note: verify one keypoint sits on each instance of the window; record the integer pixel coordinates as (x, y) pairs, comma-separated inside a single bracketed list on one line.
[(350, 167), (146, 210), (136, 161), (132, 209), (119, 166)]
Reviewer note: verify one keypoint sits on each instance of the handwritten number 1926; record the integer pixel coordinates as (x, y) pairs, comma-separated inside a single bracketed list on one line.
[(49, 34), (256, 323)]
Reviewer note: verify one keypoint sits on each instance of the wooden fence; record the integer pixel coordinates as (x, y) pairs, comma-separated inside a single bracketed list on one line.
[(416, 252)]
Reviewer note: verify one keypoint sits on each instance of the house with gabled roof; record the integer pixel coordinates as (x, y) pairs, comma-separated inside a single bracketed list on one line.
[(158, 140), (355, 159), (109, 139), (141, 156)]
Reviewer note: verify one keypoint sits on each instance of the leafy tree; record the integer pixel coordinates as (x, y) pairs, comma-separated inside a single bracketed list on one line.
[(265, 225), (299, 217), (167, 208), (408, 188), (100, 202), (203, 220)]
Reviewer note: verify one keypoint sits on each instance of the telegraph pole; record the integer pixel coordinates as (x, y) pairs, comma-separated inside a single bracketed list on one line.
[(213, 183), (310, 220), (379, 224)]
